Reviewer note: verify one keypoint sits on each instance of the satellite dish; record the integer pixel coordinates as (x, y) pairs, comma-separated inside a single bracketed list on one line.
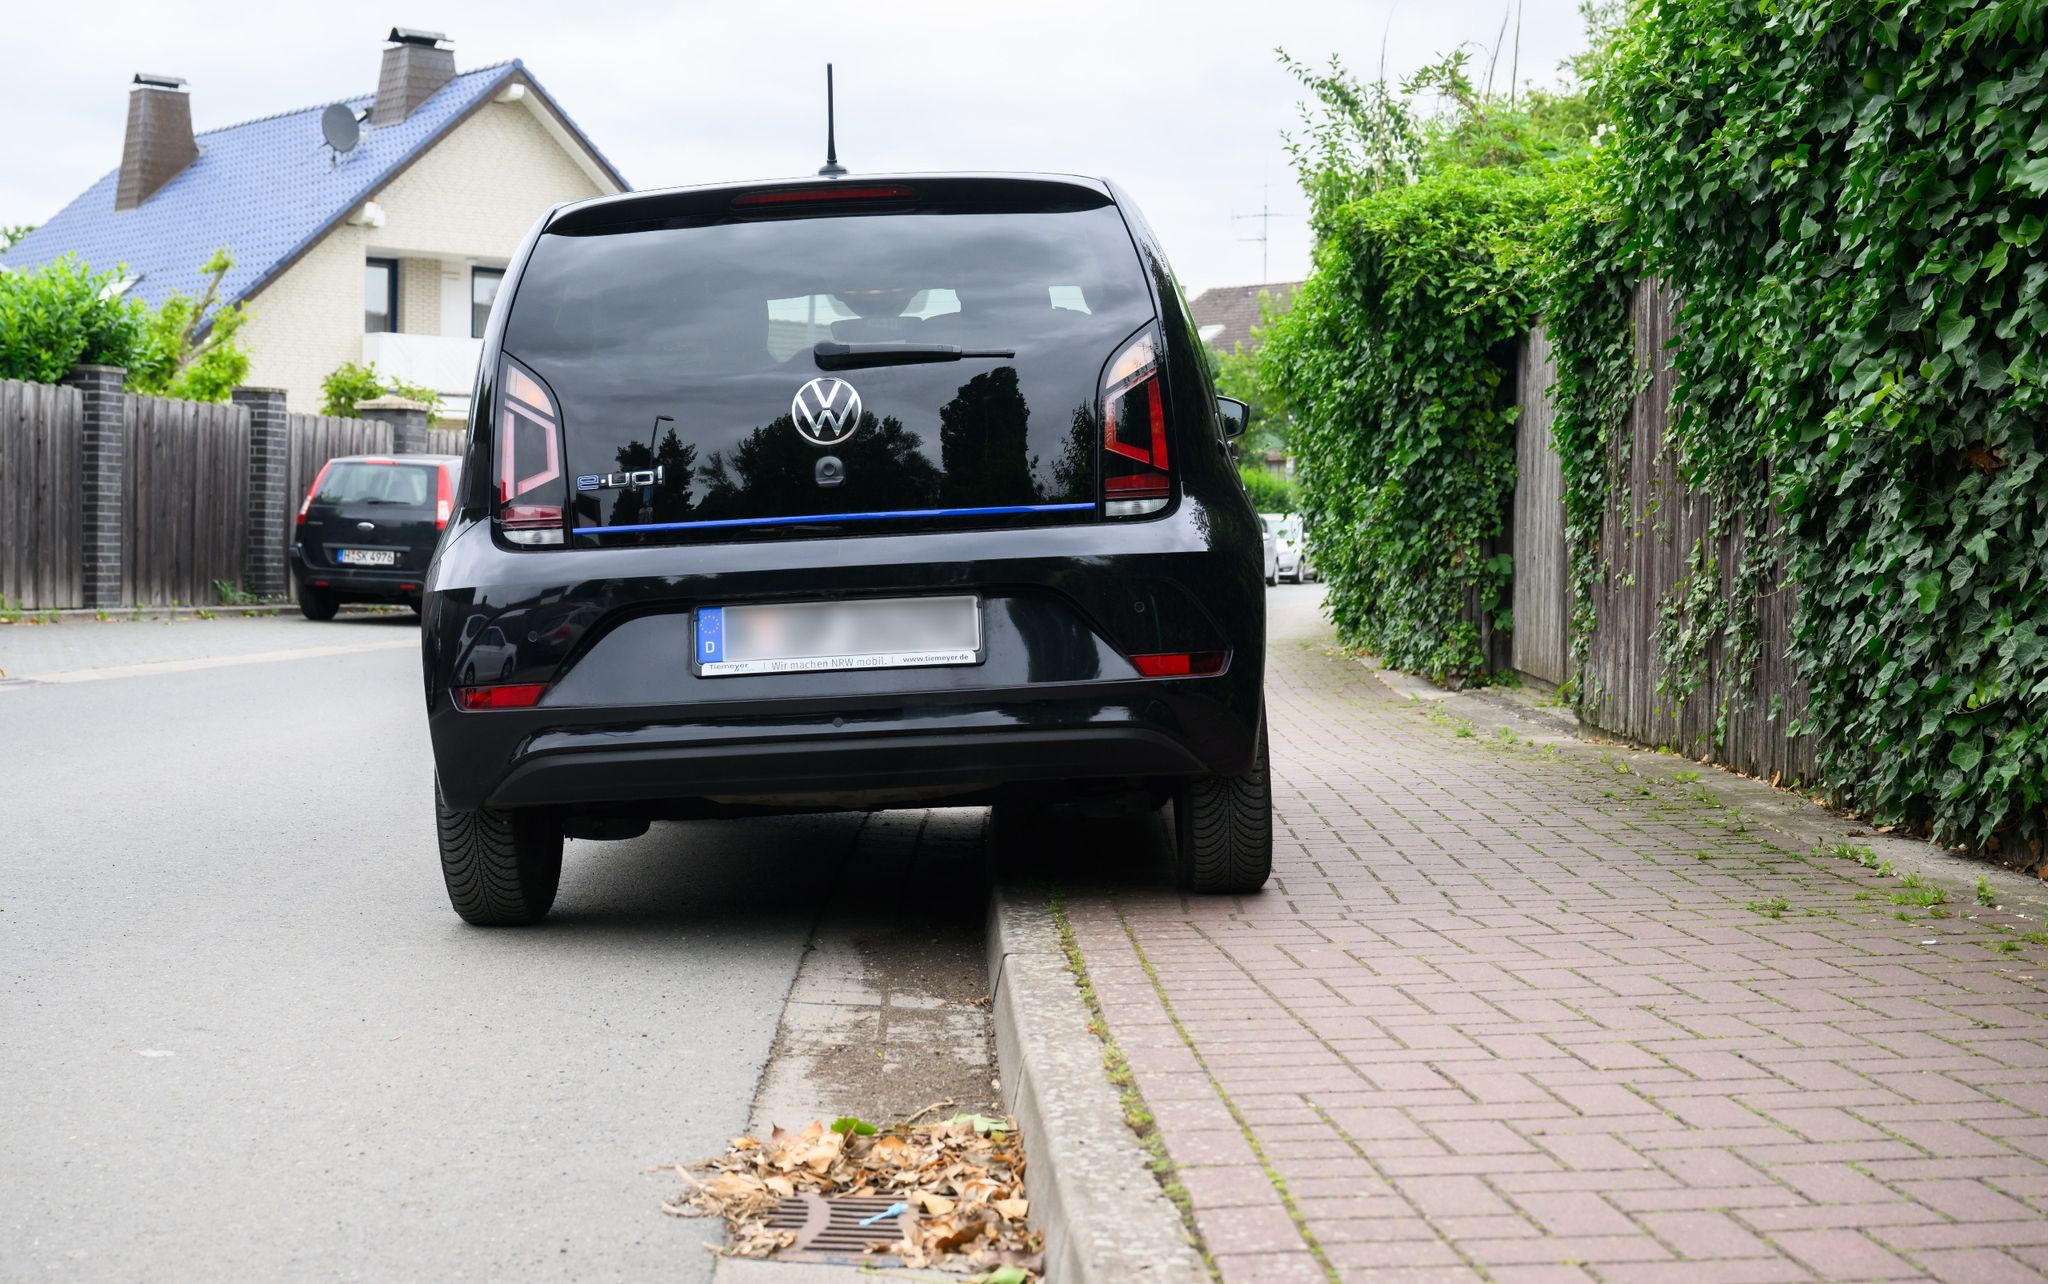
[(339, 127)]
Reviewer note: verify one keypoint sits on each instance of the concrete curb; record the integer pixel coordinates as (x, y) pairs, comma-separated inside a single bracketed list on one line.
[(1105, 1219)]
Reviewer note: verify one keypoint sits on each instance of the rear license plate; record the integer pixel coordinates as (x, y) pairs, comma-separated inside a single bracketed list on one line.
[(366, 557), (807, 637)]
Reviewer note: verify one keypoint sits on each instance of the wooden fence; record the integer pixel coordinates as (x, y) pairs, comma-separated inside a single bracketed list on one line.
[(39, 495), (1542, 602), (185, 508), (185, 500), (1648, 537)]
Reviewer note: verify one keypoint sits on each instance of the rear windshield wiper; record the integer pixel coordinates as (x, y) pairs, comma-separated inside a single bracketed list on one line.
[(850, 356)]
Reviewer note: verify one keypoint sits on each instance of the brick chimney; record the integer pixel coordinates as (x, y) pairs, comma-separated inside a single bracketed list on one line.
[(159, 143), (415, 66)]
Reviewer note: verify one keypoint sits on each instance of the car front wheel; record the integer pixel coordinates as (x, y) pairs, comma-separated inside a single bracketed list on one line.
[(1223, 829), (501, 867)]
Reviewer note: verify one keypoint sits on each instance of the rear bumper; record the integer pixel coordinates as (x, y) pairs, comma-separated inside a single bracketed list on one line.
[(1142, 731), (627, 722), (360, 582)]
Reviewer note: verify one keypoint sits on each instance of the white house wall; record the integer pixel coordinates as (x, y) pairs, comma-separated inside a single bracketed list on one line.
[(471, 198)]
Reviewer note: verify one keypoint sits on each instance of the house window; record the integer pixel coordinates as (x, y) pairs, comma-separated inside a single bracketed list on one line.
[(483, 292), (380, 296)]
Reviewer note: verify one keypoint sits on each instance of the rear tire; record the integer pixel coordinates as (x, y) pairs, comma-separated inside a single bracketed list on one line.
[(1223, 829), (317, 603), (501, 867)]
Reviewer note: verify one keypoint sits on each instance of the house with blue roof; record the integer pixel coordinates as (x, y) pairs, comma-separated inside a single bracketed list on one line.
[(373, 231)]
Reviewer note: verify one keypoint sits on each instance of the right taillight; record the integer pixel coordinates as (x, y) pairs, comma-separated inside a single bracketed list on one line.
[(1136, 478), (528, 460)]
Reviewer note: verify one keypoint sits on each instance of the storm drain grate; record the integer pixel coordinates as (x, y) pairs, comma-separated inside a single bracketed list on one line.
[(828, 1227)]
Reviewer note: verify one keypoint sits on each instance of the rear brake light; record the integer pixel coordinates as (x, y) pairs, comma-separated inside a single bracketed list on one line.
[(313, 490), (1136, 478), (517, 695), (1179, 664), (529, 461), (444, 498), (820, 195)]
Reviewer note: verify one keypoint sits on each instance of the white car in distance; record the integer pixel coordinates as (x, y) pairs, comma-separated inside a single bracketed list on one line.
[(1289, 558)]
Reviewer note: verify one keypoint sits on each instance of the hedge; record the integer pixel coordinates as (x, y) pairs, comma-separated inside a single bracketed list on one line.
[(1847, 201)]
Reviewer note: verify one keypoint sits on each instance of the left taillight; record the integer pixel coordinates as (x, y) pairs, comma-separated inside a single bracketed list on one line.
[(528, 458), (313, 490), (444, 497), (1137, 477)]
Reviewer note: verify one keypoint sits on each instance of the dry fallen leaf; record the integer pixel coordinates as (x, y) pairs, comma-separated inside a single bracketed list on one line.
[(963, 1179)]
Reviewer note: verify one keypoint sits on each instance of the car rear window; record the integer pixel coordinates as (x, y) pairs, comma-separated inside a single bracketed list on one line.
[(685, 348), (364, 483)]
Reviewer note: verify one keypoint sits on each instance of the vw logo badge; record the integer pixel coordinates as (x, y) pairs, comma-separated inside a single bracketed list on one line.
[(826, 411)]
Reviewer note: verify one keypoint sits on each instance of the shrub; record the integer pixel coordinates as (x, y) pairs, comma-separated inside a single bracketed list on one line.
[(1270, 492), (353, 382), (1406, 437), (62, 315)]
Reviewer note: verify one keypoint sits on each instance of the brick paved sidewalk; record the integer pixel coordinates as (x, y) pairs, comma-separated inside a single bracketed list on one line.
[(1498, 1018)]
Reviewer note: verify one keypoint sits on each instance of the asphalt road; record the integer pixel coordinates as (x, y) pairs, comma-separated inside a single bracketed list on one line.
[(243, 1037)]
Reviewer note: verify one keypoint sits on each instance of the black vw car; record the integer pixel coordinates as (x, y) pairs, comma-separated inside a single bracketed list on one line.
[(842, 493)]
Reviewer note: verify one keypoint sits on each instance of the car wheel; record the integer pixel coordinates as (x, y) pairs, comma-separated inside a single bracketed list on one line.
[(1223, 829), (318, 603), (501, 867)]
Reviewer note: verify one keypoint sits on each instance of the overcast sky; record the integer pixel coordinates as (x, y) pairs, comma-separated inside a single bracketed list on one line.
[(1182, 101)]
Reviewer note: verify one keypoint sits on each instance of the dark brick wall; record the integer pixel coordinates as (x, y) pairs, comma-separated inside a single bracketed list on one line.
[(102, 463), (408, 420), (269, 497)]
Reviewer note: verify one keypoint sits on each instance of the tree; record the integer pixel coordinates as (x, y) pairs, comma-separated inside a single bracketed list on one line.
[(191, 350), (1360, 140), (12, 236)]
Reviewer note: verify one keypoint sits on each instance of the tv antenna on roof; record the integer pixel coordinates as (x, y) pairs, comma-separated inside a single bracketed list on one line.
[(831, 168), (1265, 218)]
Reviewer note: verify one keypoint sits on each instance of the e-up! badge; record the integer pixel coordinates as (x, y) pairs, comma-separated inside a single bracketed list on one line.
[(620, 481)]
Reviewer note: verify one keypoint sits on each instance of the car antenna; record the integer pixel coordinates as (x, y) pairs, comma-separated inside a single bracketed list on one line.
[(831, 168)]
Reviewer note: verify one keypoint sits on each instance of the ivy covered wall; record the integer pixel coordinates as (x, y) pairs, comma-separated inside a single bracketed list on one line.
[(1848, 201)]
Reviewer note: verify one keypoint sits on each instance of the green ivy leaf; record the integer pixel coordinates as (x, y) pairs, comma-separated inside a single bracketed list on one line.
[(1954, 326), (1929, 589)]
